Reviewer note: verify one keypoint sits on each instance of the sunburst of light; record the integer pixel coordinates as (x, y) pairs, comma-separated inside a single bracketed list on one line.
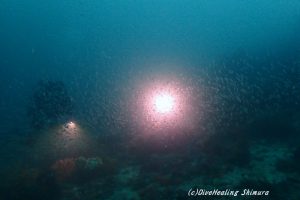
[(164, 103), (164, 107)]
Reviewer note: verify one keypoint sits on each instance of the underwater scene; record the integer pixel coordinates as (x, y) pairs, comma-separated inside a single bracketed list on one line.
[(149, 99)]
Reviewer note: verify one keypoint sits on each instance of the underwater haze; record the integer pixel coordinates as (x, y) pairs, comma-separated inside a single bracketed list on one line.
[(138, 100)]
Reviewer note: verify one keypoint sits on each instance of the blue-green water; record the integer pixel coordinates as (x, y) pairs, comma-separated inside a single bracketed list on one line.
[(79, 115)]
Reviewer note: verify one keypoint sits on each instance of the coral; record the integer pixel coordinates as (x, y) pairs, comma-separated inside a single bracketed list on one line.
[(93, 163), (262, 167), (76, 168), (64, 168), (125, 194), (128, 174)]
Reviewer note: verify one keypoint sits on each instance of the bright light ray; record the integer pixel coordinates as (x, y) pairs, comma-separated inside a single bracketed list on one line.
[(163, 106), (164, 103)]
